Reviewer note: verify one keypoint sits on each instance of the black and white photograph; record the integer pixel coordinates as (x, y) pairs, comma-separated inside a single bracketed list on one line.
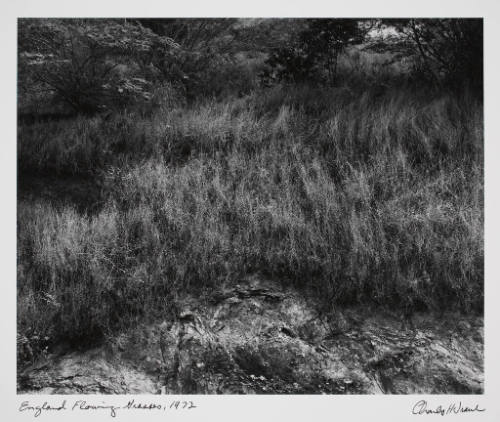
[(250, 206)]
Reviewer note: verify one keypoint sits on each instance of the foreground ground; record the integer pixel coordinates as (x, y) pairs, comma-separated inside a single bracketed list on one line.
[(254, 336)]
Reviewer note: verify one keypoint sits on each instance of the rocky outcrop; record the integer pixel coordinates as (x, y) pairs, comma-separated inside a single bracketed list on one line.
[(257, 337)]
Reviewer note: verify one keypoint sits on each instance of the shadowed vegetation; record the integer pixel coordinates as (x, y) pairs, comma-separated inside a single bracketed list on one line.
[(356, 194)]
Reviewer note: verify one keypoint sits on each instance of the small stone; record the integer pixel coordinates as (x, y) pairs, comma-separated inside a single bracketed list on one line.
[(288, 331), (233, 300), (463, 327)]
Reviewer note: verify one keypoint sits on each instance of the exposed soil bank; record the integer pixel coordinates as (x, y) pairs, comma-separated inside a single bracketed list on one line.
[(256, 337)]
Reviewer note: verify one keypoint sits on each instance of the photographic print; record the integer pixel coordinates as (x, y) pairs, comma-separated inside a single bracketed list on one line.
[(250, 206)]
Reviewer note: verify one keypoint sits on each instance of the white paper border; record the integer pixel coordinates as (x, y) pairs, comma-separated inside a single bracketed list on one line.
[(251, 408)]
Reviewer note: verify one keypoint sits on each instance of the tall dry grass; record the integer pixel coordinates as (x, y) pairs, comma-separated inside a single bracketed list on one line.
[(373, 197)]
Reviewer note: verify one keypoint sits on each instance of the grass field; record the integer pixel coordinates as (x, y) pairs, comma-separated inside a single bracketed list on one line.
[(372, 196)]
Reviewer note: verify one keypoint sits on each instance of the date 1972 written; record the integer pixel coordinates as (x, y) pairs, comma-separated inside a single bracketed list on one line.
[(84, 405)]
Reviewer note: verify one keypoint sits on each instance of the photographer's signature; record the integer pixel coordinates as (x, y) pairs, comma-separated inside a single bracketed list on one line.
[(422, 408)]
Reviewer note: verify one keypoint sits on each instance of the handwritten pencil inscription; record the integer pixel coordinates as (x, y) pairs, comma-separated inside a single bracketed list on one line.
[(113, 410), (422, 408)]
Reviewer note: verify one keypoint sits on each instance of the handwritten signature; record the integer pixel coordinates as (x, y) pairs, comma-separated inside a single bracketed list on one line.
[(422, 408), (79, 405)]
